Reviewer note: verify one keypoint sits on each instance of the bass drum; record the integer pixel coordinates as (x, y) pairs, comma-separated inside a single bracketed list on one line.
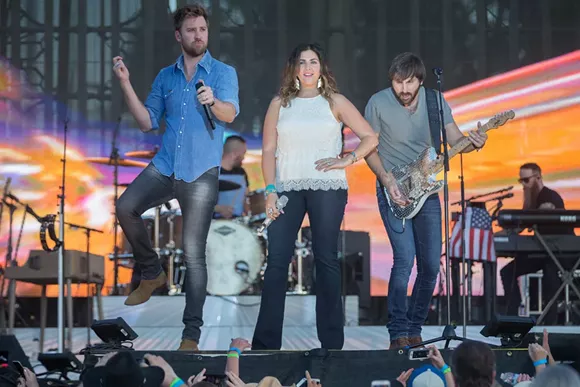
[(234, 257)]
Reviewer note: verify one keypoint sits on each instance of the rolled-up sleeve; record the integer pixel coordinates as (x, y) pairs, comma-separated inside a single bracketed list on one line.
[(227, 89), (155, 102)]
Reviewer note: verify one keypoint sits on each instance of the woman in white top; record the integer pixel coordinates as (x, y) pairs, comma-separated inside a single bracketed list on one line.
[(302, 143)]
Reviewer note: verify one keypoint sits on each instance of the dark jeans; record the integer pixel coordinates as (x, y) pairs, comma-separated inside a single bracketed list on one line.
[(551, 281), (421, 236), (197, 201), (325, 211)]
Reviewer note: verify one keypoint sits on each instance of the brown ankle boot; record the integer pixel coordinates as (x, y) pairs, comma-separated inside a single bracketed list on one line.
[(401, 342), (188, 345), (414, 340), (145, 289)]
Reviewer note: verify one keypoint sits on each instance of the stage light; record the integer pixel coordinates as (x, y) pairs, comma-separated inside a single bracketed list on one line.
[(113, 331), (63, 362), (511, 330)]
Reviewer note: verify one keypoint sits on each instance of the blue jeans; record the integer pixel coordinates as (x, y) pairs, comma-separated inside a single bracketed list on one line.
[(197, 201), (325, 211), (421, 236)]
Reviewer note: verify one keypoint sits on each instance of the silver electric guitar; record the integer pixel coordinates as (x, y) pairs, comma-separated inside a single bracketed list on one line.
[(417, 180)]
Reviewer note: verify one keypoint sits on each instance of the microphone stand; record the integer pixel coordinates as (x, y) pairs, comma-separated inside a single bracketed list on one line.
[(114, 158), (88, 267), (60, 308), (463, 258), (8, 261), (444, 143)]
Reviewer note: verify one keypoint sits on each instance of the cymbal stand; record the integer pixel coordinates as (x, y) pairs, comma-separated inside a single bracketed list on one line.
[(300, 252), (114, 159), (171, 255), (88, 267)]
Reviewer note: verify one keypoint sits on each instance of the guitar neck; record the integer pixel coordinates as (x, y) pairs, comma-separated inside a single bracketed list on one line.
[(458, 148)]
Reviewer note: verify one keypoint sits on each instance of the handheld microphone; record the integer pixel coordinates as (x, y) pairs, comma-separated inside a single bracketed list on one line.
[(205, 107), (437, 71), (280, 204)]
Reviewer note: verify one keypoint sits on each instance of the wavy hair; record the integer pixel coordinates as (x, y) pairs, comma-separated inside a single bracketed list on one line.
[(288, 88), (473, 364)]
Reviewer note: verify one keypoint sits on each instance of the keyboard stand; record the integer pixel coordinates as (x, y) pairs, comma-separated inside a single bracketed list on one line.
[(567, 276)]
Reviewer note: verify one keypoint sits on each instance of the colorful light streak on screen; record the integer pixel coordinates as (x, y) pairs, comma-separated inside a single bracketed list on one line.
[(545, 97)]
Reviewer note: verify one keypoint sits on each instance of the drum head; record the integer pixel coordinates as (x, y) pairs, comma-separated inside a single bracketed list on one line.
[(234, 258)]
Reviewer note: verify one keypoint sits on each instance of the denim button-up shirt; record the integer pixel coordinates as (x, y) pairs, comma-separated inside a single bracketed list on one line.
[(190, 146)]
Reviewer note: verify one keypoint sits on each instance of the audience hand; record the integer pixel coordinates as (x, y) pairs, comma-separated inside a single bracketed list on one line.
[(234, 380), (537, 352), (158, 361), (311, 383), (30, 378), (546, 346), (241, 344), (193, 379), (405, 376), (524, 378), (435, 357)]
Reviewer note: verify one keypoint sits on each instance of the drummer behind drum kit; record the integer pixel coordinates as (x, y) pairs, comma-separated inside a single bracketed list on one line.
[(235, 252)]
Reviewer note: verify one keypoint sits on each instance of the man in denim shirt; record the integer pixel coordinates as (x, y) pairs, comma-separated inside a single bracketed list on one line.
[(187, 165)]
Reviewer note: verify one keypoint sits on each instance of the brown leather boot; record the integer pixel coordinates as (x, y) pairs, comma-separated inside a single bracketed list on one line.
[(401, 342), (146, 288), (414, 340), (188, 345)]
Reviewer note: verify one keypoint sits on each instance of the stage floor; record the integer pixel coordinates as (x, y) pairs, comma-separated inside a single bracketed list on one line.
[(158, 324)]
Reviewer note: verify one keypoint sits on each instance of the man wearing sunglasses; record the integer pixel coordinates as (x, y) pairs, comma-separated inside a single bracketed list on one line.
[(536, 197)]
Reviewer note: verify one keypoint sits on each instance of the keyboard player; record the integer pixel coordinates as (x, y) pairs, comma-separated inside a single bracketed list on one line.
[(536, 196)]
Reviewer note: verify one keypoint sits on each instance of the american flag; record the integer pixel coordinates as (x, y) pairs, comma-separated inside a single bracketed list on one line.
[(478, 236)]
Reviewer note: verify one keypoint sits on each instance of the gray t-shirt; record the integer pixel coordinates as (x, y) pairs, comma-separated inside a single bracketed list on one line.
[(402, 135)]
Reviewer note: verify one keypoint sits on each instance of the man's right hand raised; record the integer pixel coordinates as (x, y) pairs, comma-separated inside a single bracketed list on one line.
[(120, 69)]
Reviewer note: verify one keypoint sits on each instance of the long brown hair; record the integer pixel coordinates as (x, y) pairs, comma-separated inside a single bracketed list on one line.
[(288, 88)]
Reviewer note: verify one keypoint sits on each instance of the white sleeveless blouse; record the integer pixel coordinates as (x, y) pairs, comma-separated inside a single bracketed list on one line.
[(307, 132)]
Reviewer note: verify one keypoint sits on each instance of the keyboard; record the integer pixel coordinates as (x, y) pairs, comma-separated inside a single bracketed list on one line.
[(512, 244)]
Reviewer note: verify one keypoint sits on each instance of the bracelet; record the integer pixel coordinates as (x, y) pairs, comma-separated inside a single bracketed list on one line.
[(177, 382), (540, 362), (213, 103), (445, 369), (270, 188), (354, 156), (234, 349), (233, 354)]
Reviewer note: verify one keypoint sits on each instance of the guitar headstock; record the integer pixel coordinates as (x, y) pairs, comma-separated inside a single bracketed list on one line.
[(500, 119)]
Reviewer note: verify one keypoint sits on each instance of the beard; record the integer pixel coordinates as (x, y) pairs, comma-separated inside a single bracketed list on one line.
[(531, 197), (193, 51), (410, 100)]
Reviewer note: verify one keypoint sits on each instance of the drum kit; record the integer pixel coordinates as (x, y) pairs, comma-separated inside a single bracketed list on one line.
[(235, 251)]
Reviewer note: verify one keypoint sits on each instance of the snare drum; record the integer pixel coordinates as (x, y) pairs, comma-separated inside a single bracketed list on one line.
[(257, 202), (234, 256)]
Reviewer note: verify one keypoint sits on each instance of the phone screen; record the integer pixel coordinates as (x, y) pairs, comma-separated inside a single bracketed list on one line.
[(418, 354), (19, 367), (380, 383)]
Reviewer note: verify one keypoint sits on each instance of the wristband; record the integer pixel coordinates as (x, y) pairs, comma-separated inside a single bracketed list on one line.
[(540, 362), (233, 354), (445, 369), (234, 349), (177, 382), (270, 188)]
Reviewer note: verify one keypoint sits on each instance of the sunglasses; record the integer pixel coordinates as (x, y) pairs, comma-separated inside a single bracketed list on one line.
[(526, 180)]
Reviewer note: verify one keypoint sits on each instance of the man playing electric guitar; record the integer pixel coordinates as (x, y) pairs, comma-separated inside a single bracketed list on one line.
[(400, 115)]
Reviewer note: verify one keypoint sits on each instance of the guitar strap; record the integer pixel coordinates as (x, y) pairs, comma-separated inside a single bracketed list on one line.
[(434, 122)]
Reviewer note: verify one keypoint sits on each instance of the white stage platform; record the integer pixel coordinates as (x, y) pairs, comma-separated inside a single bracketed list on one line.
[(158, 324)]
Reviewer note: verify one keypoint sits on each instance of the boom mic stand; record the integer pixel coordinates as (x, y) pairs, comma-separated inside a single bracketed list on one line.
[(449, 330)]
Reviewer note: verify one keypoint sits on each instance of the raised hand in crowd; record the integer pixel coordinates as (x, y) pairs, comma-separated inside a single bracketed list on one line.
[(404, 377)]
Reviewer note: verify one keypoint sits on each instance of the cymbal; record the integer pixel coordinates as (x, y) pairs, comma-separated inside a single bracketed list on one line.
[(142, 154), (225, 185), (119, 162)]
